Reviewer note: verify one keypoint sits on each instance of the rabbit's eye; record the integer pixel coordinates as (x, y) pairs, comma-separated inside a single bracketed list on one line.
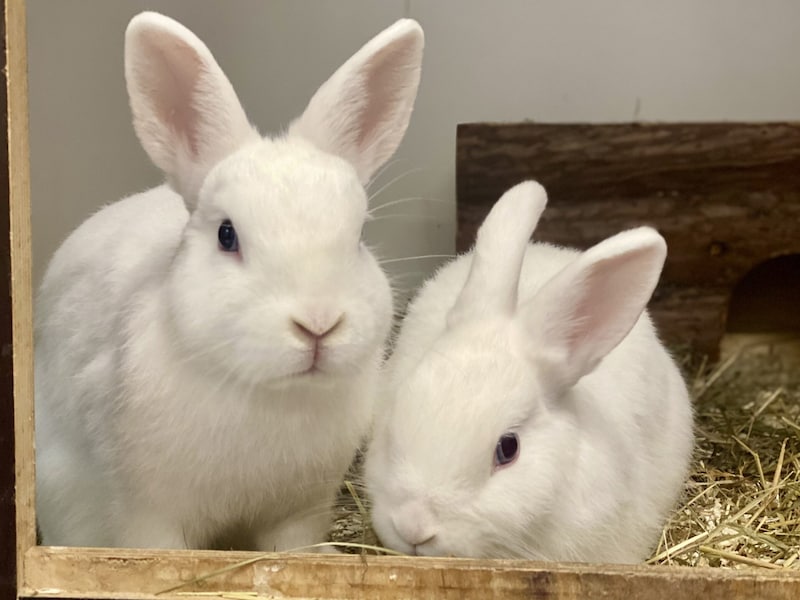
[(507, 449), (228, 240)]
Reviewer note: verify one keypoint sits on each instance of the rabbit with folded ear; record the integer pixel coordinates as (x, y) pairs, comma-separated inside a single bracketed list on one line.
[(206, 351), (530, 410)]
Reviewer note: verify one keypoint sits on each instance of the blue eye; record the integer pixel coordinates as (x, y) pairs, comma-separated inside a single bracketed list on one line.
[(507, 449), (228, 240)]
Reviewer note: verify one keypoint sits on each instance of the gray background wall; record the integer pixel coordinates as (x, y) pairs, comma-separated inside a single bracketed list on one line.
[(546, 60)]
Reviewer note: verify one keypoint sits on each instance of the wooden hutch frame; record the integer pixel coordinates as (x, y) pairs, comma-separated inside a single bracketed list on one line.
[(31, 571)]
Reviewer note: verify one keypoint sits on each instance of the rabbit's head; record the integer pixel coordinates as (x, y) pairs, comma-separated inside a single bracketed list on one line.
[(271, 279)]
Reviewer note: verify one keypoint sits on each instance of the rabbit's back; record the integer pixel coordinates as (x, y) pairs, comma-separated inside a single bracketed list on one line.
[(91, 278), (116, 253), (115, 249)]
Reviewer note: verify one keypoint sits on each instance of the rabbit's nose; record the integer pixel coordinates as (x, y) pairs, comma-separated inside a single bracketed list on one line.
[(415, 524), (316, 329)]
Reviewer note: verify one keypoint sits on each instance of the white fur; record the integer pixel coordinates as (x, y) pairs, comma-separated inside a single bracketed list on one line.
[(174, 402), (564, 355)]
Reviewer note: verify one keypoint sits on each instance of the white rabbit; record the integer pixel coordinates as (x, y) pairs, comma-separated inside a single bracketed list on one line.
[(530, 410), (206, 352)]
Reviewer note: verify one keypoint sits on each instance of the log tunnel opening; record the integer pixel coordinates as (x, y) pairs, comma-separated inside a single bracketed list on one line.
[(764, 309), (767, 298)]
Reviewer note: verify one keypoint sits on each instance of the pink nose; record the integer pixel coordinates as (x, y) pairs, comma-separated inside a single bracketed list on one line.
[(414, 523), (315, 331)]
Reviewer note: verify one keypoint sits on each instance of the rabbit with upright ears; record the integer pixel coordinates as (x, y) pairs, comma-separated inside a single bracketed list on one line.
[(530, 410), (206, 351)]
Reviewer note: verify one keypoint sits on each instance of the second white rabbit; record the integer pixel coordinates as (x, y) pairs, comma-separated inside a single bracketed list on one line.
[(530, 410)]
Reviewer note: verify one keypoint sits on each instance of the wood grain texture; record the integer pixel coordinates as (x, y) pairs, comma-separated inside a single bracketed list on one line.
[(8, 513), (143, 574), (726, 197), (20, 428)]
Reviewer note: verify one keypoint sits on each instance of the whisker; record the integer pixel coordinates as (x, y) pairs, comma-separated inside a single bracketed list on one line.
[(409, 199), (392, 181), (402, 216), (381, 171), (202, 353), (421, 257)]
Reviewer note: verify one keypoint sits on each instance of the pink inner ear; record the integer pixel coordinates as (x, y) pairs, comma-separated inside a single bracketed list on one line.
[(608, 307), (382, 77), (173, 83)]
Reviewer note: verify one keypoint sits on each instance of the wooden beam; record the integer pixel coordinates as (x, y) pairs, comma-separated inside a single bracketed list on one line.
[(93, 573), (17, 528), (8, 518)]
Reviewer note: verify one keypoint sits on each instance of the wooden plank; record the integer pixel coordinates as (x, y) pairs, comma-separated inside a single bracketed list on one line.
[(143, 574), (20, 429), (8, 523), (726, 196)]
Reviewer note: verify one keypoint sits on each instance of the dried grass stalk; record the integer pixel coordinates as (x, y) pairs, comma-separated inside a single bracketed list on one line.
[(743, 497)]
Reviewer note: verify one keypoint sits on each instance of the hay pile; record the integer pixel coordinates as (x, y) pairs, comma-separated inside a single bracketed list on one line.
[(742, 506), (743, 498)]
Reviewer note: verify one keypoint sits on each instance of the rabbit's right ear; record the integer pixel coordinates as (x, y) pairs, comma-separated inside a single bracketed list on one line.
[(185, 111), (584, 311), (493, 280), (362, 111)]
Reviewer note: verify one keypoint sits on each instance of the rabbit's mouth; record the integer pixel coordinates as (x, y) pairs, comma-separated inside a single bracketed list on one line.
[(316, 365), (316, 357), (311, 371), (320, 371), (322, 358)]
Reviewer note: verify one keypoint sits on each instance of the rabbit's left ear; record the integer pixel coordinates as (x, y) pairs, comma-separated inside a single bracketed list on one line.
[(185, 111), (587, 309), (361, 113), (493, 280)]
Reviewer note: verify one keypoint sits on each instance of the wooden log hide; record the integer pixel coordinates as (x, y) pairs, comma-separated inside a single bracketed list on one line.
[(726, 196)]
